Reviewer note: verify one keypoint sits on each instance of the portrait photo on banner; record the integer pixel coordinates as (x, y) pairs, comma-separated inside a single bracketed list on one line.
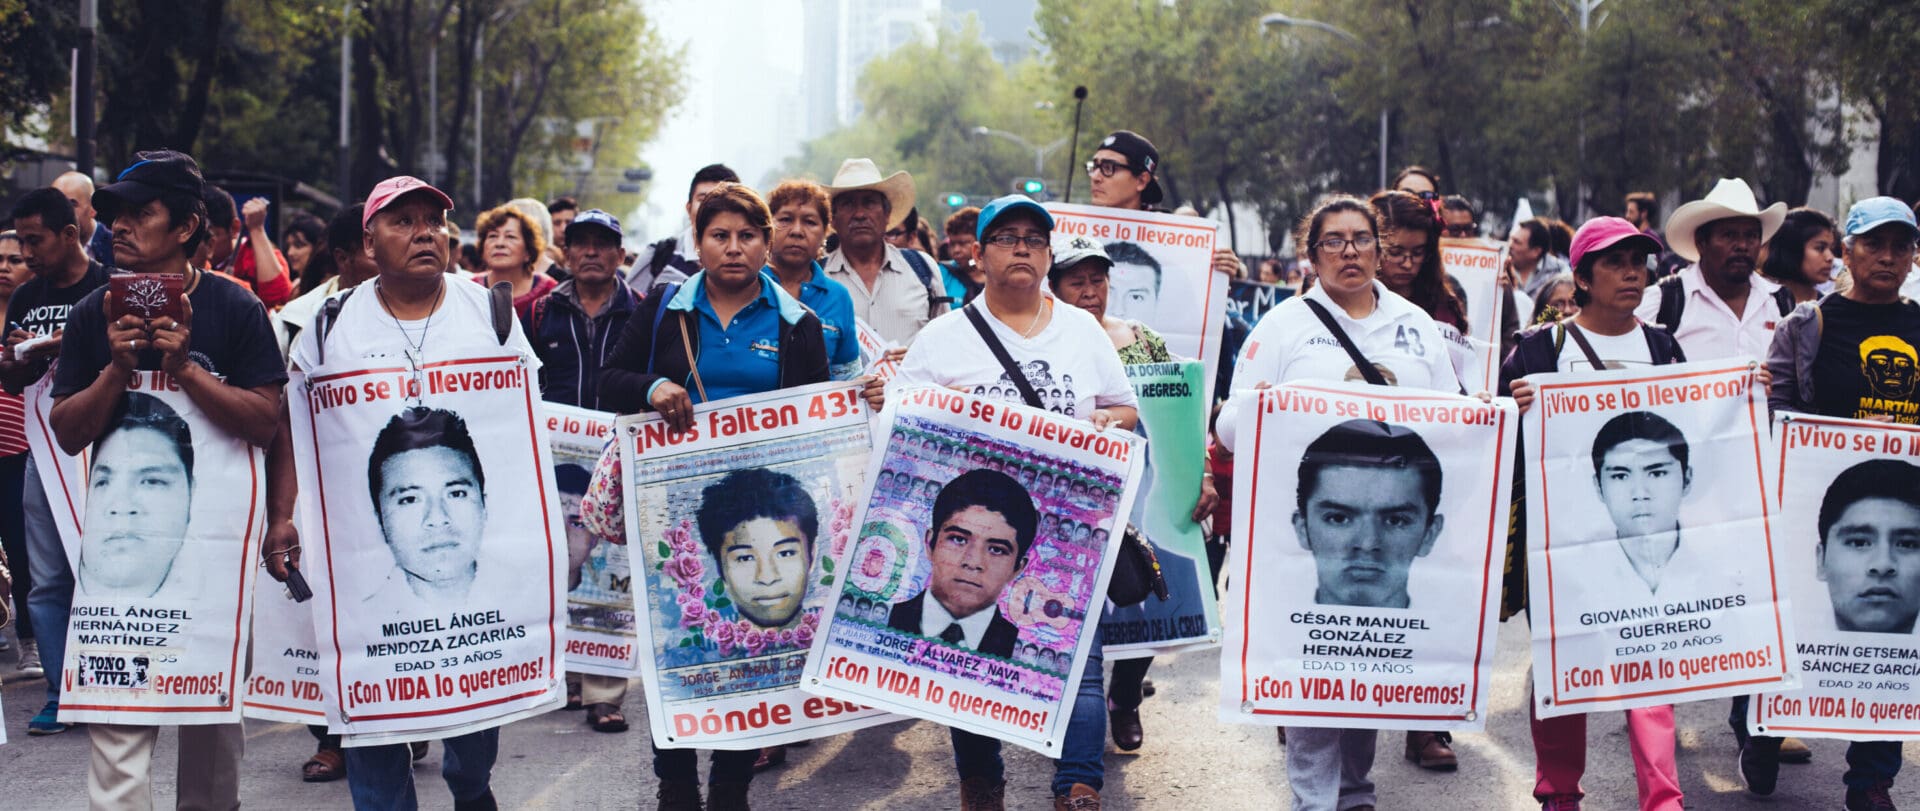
[(170, 512), (1366, 586), (440, 549), (1651, 538), (1849, 543), (975, 580), (600, 608), (733, 528)]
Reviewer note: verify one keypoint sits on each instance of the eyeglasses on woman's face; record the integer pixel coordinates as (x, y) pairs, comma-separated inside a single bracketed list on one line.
[(1332, 246)]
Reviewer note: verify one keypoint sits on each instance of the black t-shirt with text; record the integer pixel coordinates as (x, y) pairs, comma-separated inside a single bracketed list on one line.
[(231, 338), (41, 308), (1868, 363)]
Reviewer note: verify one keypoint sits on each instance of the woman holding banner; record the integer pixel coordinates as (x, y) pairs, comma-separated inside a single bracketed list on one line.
[(728, 308), (1079, 277), (1349, 326), (1610, 275)]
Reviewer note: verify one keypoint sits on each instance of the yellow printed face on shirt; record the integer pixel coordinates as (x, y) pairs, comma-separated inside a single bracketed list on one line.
[(1889, 366)]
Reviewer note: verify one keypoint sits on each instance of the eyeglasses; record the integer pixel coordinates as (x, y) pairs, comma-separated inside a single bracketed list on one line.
[(1396, 252), (1106, 168), (1032, 241), (1461, 230), (1336, 245), (1428, 196)]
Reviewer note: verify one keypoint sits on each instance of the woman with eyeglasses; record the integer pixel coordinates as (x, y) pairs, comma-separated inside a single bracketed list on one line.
[(1301, 339)]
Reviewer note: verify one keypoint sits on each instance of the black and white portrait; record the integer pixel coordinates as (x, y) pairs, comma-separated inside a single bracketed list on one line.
[(1869, 550), (1642, 474), (429, 495), (139, 505), (1367, 507)]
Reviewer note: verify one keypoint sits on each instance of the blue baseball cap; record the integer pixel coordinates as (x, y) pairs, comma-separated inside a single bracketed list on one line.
[(1002, 205), (1874, 212), (594, 218)]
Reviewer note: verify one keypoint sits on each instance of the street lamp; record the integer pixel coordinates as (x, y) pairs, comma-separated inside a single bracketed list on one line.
[(1279, 19), (1039, 152)]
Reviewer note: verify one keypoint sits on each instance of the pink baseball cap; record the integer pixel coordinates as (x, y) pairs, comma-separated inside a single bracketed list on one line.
[(394, 188), (1601, 233)]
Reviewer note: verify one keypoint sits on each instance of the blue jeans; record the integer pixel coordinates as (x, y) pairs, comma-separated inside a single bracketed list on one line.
[(52, 596), (1868, 762), (1082, 752), (381, 777)]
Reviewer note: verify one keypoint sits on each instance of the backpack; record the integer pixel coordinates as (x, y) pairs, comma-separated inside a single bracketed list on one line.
[(936, 296), (1673, 302), (501, 308)]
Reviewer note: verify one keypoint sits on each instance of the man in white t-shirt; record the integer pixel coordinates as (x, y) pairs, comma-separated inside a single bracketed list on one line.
[(1720, 306)]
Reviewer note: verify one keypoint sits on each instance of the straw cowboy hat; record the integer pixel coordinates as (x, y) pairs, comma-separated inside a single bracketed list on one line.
[(859, 174), (1731, 197)]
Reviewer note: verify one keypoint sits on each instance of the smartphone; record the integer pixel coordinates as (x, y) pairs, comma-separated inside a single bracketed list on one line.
[(146, 295), (297, 587)]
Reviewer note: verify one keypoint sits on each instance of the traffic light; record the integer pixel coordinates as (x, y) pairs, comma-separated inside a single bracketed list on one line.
[(1031, 186), (954, 199)]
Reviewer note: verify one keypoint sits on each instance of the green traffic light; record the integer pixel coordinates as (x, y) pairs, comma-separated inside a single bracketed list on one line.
[(956, 200), (1033, 186)]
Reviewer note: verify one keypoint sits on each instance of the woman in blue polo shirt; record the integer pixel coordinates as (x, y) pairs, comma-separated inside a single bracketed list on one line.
[(800, 216), (748, 336)]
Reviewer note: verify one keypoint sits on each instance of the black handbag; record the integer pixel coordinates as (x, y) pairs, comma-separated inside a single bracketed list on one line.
[(1136, 571)]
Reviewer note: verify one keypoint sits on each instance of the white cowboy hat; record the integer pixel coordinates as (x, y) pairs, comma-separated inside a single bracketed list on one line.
[(859, 174), (1731, 197)]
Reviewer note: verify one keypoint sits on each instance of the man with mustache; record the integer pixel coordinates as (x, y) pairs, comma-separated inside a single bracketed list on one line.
[(894, 291), (1368, 498), (1720, 306)]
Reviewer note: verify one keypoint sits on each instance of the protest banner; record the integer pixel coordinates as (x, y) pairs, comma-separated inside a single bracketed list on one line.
[(1162, 275), (284, 684), (434, 545), (1002, 522), (62, 474), (873, 352), (1849, 497), (164, 555), (1173, 418), (735, 523), (1475, 264), (1248, 301), (1364, 588), (601, 638), (1650, 580)]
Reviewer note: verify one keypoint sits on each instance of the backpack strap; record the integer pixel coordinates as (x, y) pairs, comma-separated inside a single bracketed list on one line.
[(330, 315), (1360, 362), (1673, 302), (1783, 298), (502, 308), (936, 296), (662, 254)]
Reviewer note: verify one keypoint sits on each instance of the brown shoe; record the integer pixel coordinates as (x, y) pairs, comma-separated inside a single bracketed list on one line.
[(677, 795), (1429, 750), (1793, 751), (326, 765), (983, 794), (1081, 797), (1281, 733), (1127, 734), (727, 797)]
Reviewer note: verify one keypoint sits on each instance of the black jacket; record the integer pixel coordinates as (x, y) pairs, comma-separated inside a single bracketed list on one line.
[(999, 639), (646, 355), (572, 344)]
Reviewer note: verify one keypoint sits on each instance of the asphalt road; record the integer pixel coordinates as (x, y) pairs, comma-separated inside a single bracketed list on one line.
[(1191, 761)]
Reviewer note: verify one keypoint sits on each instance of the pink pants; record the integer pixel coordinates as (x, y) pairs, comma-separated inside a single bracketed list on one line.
[(1560, 756)]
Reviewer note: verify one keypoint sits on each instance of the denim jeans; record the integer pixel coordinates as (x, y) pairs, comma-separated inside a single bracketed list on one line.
[(52, 596), (1868, 762), (381, 777), (1082, 752)]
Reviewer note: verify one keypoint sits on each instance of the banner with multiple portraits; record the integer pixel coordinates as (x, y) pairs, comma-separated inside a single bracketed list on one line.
[(735, 526), (161, 519), (1162, 274), (1651, 522), (602, 636), (434, 543), (973, 587), (1173, 418), (1849, 541), (1364, 583), (1473, 267)]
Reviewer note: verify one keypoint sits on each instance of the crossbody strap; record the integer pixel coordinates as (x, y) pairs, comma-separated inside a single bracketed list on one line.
[(1580, 338), (1360, 361), (686, 345), (1006, 361)]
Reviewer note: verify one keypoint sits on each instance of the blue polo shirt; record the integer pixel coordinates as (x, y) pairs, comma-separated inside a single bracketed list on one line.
[(744, 356), (830, 301)]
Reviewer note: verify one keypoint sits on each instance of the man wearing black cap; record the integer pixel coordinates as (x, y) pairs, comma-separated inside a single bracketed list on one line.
[(222, 354)]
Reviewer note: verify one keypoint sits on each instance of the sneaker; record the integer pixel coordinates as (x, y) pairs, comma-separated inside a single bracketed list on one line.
[(30, 659), (48, 721), (1561, 802), (1757, 770), (5, 644), (1871, 798)]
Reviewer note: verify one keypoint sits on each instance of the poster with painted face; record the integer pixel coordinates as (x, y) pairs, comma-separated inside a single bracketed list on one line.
[(168, 514), (733, 528), (1162, 275), (600, 611), (1364, 584), (435, 545), (1652, 539), (972, 590), (1850, 549)]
